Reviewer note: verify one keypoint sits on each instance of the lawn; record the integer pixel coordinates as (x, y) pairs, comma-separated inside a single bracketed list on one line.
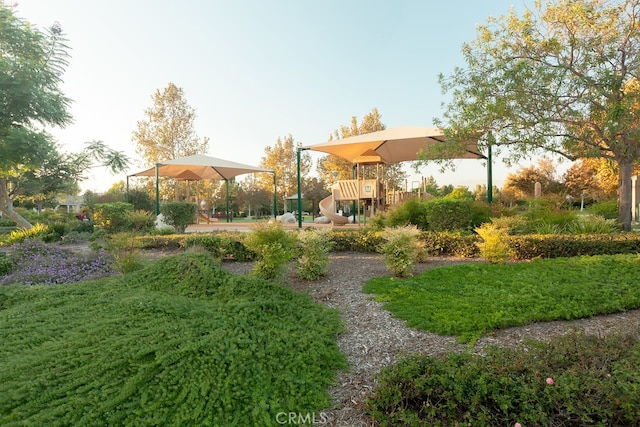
[(473, 299), (181, 342)]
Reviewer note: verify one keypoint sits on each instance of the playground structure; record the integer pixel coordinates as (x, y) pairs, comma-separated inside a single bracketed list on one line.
[(367, 190)]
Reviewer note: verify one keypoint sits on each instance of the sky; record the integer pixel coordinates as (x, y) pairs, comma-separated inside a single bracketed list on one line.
[(257, 70)]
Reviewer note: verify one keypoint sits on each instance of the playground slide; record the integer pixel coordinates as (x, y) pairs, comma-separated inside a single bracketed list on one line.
[(327, 208)]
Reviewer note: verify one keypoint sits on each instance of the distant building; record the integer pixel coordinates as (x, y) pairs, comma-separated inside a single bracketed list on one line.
[(71, 204)]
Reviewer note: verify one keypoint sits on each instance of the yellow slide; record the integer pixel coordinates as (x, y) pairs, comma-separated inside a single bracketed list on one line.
[(328, 209)]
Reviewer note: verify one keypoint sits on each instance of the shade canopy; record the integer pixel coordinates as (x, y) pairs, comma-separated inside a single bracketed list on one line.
[(395, 145), (200, 166)]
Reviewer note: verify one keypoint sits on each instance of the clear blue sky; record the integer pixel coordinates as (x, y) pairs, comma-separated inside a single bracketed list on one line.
[(257, 70)]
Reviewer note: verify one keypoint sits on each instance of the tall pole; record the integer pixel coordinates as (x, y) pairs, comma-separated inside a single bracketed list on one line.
[(298, 151), (157, 189), (274, 195), (227, 182)]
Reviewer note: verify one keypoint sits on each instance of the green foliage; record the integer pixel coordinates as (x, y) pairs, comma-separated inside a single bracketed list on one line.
[(473, 299), (6, 265), (494, 246), (593, 224), (447, 214), (38, 231), (410, 212), (532, 246), (141, 220), (401, 249), (607, 209), (314, 246), (126, 255), (448, 243), (274, 247), (179, 214), (573, 380), (113, 217), (222, 246), (358, 240), (180, 342)]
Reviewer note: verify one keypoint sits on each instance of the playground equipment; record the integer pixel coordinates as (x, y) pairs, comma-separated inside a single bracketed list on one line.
[(367, 190)]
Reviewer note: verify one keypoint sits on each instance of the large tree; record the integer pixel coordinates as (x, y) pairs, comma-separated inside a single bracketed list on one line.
[(282, 159), (168, 132), (32, 63), (561, 78)]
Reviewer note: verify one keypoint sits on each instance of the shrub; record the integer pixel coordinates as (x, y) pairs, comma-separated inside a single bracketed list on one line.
[(446, 214), (401, 249), (274, 247), (113, 217), (38, 231), (573, 380), (495, 245), (410, 212), (607, 209), (593, 224), (125, 253), (179, 214), (6, 265), (448, 243), (141, 220), (313, 261)]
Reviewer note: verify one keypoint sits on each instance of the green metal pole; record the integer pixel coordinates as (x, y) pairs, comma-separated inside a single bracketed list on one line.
[(274, 196), (157, 189), (127, 188), (298, 151), (227, 182)]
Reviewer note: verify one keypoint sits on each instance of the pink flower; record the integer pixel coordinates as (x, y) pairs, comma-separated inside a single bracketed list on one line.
[(517, 425), (550, 381)]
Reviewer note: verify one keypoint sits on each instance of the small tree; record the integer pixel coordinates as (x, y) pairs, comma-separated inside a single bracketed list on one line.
[(179, 214)]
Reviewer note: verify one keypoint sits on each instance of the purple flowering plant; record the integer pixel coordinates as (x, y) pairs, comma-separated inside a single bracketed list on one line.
[(39, 263)]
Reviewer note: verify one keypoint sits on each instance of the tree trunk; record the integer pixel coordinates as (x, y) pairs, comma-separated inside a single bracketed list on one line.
[(624, 194), (6, 206)]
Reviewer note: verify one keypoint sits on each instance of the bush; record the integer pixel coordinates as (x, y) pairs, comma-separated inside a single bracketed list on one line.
[(450, 244), (6, 265), (179, 214), (125, 253), (445, 214), (274, 247), (113, 217), (607, 209), (38, 231), (141, 220), (401, 249), (574, 380), (314, 246), (494, 246)]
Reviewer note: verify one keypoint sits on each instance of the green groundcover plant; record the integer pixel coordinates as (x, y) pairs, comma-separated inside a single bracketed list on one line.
[(575, 380), (180, 342), (473, 299)]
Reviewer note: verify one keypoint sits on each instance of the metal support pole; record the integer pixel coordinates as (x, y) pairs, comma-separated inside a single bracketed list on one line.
[(227, 182), (298, 151), (157, 189), (274, 196)]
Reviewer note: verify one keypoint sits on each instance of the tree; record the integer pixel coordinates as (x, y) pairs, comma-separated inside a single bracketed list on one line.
[(524, 180), (168, 132), (257, 201), (561, 78), (32, 63), (282, 159), (314, 190)]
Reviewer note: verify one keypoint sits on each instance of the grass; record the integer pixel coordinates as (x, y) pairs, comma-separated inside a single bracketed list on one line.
[(473, 299), (181, 342)]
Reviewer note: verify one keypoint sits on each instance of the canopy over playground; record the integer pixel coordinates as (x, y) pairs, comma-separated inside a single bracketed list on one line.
[(199, 167), (394, 145)]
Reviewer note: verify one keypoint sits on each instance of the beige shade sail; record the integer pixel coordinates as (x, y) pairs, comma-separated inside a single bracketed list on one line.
[(200, 166), (395, 145)]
